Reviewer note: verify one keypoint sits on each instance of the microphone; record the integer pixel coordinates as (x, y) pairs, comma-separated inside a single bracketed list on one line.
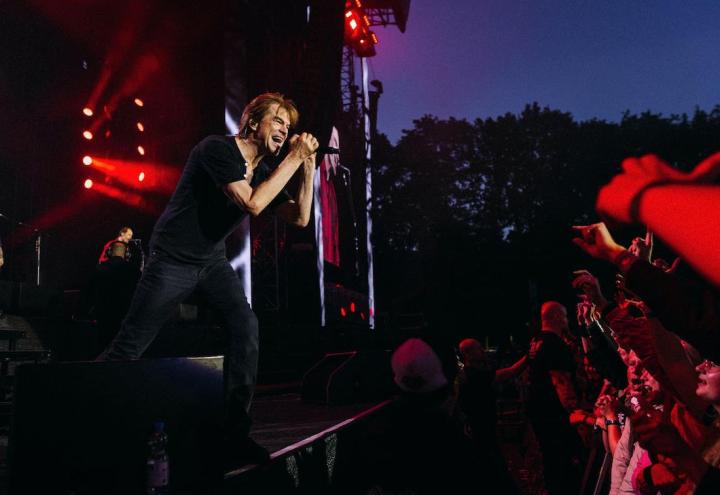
[(328, 150)]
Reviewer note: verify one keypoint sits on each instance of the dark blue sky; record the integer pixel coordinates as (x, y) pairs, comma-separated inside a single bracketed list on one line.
[(483, 58)]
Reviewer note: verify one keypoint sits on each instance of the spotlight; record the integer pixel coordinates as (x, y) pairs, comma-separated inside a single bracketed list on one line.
[(343, 312), (139, 102), (88, 111), (141, 177), (140, 127), (87, 135), (352, 307), (87, 160), (88, 183), (141, 150)]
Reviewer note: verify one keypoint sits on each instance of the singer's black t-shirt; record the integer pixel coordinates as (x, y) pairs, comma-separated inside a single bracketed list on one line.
[(200, 216)]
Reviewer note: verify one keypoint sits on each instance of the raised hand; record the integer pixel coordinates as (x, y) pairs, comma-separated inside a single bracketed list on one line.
[(619, 200), (642, 247), (586, 312), (596, 240)]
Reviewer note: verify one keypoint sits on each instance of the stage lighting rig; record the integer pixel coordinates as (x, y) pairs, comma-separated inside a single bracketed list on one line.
[(387, 12), (357, 30)]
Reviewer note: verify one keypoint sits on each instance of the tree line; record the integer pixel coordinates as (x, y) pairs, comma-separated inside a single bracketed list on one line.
[(472, 219)]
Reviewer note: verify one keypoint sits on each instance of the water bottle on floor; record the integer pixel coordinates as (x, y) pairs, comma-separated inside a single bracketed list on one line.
[(158, 468)]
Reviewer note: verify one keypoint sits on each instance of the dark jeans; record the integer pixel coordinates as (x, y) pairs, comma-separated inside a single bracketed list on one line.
[(165, 283), (563, 457)]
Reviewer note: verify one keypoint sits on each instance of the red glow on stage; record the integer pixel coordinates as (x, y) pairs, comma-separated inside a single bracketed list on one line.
[(50, 219), (140, 127), (129, 198), (155, 176), (352, 307), (141, 150), (139, 102), (87, 135), (348, 13), (88, 111), (343, 313), (353, 24), (88, 184), (87, 160)]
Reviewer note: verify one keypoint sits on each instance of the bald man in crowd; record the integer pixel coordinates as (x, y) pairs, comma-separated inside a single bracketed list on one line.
[(552, 398)]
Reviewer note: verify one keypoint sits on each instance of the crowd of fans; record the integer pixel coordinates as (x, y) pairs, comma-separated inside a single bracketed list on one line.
[(639, 386)]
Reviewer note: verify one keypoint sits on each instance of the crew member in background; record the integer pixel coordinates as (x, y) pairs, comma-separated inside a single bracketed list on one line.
[(125, 235)]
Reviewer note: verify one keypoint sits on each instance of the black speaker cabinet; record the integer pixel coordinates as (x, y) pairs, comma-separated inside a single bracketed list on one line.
[(348, 377), (82, 427)]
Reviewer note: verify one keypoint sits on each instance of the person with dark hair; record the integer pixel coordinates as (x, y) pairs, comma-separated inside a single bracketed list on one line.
[(225, 179), (124, 236), (111, 290)]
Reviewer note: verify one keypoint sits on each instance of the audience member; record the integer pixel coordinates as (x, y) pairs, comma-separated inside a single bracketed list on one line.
[(552, 399), (417, 445)]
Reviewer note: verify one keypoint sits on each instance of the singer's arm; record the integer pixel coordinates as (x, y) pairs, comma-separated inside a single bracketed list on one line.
[(254, 201), (298, 212)]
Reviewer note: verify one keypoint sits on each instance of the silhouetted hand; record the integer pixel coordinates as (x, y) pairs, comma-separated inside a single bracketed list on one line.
[(642, 247), (596, 240)]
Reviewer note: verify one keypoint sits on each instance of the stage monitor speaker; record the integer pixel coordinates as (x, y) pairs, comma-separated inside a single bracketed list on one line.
[(83, 427), (348, 377)]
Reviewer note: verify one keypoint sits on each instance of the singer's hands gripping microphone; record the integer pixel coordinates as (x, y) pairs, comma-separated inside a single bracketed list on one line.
[(303, 145)]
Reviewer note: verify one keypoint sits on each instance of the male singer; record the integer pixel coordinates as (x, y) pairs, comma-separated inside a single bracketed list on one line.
[(224, 179)]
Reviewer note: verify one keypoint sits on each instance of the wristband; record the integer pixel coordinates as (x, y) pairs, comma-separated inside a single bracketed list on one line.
[(609, 422)]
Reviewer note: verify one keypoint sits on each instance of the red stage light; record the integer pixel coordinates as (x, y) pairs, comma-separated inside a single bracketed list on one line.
[(141, 177), (348, 13), (141, 150), (88, 183), (353, 24), (139, 102), (88, 111), (87, 135), (352, 307), (140, 127), (343, 313), (87, 160)]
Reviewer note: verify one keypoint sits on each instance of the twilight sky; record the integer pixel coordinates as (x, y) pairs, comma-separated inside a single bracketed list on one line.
[(483, 58)]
